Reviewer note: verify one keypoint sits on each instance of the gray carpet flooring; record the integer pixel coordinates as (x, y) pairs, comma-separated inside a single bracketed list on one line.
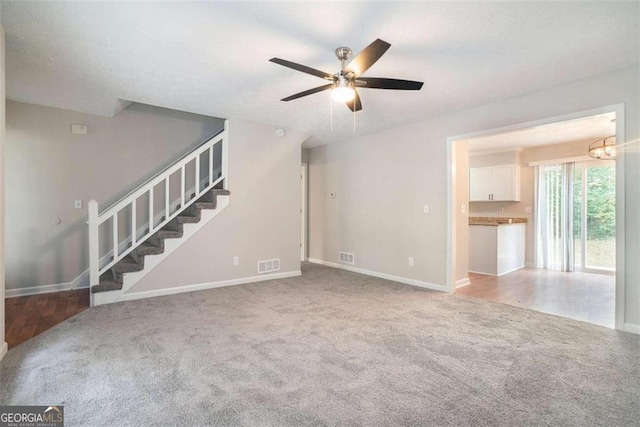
[(328, 348)]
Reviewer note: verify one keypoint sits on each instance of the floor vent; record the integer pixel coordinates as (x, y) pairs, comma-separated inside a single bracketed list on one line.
[(346, 257), (268, 265)]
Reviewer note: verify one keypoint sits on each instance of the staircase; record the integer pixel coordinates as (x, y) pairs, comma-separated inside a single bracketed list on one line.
[(114, 278), (135, 254)]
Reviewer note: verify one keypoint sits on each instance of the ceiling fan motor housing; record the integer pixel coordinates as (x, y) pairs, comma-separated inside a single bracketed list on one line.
[(343, 53)]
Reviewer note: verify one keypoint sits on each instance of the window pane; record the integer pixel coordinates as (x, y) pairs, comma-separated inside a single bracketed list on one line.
[(601, 217)]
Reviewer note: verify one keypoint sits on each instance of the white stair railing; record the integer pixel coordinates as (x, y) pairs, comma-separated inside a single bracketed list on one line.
[(146, 190)]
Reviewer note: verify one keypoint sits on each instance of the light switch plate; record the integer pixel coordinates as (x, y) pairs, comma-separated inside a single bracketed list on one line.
[(77, 204), (463, 209), (425, 209), (79, 129)]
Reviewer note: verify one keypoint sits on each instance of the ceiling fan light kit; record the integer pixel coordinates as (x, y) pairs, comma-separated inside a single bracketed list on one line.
[(343, 90), (344, 83), (603, 149)]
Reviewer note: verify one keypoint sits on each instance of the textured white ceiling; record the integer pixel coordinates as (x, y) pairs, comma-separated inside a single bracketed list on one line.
[(212, 57), (585, 129)]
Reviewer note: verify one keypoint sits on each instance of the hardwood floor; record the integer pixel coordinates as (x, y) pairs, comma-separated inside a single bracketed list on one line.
[(28, 316), (580, 296)]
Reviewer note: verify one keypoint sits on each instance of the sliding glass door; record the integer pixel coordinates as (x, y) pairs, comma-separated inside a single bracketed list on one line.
[(554, 216), (575, 216), (595, 216)]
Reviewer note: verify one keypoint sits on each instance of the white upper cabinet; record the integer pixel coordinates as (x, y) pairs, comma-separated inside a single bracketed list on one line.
[(494, 184), (479, 184)]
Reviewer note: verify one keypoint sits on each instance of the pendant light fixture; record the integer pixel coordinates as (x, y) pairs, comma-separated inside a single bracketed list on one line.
[(604, 149)]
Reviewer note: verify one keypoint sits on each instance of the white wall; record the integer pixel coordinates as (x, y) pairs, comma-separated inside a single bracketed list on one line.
[(48, 168), (382, 181), (461, 238), (3, 344), (261, 222)]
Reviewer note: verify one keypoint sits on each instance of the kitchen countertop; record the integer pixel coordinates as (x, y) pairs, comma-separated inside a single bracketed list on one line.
[(495, 220)]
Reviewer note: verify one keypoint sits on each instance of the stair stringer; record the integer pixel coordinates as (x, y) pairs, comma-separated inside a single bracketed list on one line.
[(152, 261)]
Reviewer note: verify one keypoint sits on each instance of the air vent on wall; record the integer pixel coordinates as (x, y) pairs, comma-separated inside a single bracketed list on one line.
[(346, 257), (268, 265)]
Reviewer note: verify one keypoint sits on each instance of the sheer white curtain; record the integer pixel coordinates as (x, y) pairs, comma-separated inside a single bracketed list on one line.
[(554, 216)]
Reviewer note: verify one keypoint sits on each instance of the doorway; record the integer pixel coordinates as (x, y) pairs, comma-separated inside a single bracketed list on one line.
[(595, 241), (303, 212)]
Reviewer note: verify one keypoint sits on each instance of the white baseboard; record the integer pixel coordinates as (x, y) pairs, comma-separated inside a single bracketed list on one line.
[(406, 281), (3, 350), (82, 281), (35, 290), (203, 286), (463, 282), (511, 271), (497, 275), (631, 328), (482, 272)]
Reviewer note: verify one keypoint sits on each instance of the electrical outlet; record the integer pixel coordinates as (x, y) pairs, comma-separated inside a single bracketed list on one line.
[(463, 208), (527, 209), (501, 210), (410, 261), (425, 209), (236, 260), (77, 204)]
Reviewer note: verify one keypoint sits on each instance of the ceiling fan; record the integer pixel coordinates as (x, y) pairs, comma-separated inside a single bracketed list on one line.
[(343, 84)]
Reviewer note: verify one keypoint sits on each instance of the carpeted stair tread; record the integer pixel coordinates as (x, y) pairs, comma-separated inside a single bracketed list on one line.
[(169, 234), (148, 249), (205, 205), (191, 219), (108, 283), (211, 195), (106, 286), (154, 245), (127, 265)]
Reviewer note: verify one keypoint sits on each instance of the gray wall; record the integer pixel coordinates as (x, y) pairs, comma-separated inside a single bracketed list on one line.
[(48, 168), (261, 222), (382, 180)]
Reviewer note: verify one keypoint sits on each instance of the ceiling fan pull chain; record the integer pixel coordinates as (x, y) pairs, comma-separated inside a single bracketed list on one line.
[(354, 117)]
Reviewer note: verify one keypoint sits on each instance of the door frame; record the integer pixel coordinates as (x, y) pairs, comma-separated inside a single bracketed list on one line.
[(619, 110), (303, 211)]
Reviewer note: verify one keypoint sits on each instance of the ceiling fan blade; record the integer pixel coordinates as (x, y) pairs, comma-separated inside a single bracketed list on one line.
[(355, 103), (303, 68), (308, 92), (369, 55), (382, 83)]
